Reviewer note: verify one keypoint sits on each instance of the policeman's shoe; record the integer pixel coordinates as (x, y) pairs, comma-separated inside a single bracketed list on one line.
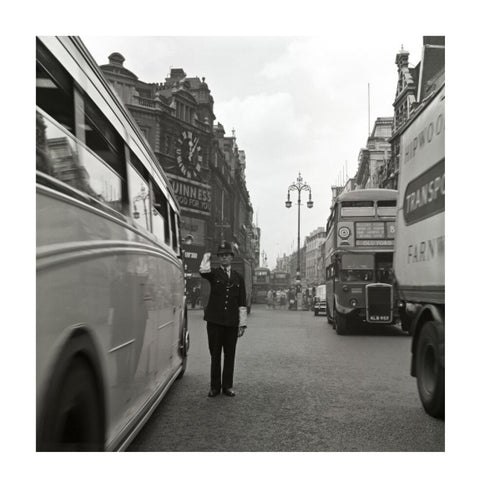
[(229, 392), (213, 393)]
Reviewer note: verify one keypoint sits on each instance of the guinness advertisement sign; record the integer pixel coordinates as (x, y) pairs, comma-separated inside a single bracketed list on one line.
[(192, 195)]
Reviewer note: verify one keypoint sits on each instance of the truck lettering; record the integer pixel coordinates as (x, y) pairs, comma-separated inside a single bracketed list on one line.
[(426, 250), (425, 195), (428, 132)]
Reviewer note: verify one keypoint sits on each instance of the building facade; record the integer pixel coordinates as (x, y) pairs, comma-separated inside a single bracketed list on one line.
[(313, 243), (322, 264), (205, 167), (376, 154), (414, 84)]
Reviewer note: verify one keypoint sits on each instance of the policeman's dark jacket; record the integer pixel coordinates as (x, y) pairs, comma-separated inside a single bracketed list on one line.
[(226, 296)]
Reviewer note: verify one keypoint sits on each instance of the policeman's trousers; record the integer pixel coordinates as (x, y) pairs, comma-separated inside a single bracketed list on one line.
[(221, 337)]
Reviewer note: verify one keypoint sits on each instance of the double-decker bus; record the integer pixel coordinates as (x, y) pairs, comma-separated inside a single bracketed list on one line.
[(359, 258), (280, 280), (111, 320), (261, 285)]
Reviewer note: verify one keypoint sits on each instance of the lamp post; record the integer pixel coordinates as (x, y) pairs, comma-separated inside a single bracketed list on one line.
[(299, 186)]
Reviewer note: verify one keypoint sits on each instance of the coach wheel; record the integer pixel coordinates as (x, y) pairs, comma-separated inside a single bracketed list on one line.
[(184, 346), (429, 369), (74, 419)]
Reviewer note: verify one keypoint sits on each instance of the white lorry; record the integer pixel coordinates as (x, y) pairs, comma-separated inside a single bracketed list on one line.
[(419, 259)]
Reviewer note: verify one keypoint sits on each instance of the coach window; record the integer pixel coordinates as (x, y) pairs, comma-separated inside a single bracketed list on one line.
[(102, 138), (139, 198), (61, 156), (160, 215), (173, 228), (54, 88)]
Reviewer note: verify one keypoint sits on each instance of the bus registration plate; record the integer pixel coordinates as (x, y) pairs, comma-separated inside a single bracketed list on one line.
[(379, 318)]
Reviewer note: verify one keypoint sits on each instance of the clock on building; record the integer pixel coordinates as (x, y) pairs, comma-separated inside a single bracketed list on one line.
[(189, 154)]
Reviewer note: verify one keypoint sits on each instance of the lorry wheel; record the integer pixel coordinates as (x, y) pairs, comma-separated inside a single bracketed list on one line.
[(429, 369), (340, 323)]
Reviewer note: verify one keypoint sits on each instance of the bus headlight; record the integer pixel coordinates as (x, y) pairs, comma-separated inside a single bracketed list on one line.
[(353, 302), (345, 288)]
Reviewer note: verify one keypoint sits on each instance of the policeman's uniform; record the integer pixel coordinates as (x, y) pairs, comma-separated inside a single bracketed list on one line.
[(224, 313)]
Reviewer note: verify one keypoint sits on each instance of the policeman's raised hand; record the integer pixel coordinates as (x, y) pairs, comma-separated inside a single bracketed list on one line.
[(205, 264)]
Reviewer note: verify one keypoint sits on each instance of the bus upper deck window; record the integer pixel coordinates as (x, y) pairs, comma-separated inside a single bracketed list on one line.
[(357, 208), (387, 208)]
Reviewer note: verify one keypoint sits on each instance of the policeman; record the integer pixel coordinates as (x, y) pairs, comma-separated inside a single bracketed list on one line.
[(226, 317)]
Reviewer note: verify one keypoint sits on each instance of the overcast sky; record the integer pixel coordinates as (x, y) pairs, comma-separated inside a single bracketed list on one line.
[(297, 104)]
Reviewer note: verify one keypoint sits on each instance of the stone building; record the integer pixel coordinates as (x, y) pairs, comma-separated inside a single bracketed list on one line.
[(375, 155), (321, 264), (283, 263), (255, 245), (313, 244), (414, 84), (205, 167)]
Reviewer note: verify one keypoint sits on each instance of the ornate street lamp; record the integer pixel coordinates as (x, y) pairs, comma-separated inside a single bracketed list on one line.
[(299, 186), (142, 196)]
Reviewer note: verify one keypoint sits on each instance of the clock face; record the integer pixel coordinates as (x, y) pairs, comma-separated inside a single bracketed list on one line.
[(189, 154)]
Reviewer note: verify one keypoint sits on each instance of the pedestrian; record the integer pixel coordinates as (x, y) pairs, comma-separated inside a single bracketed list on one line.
[(291, 298), (195, 295), (270, 299), (226, 317)]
